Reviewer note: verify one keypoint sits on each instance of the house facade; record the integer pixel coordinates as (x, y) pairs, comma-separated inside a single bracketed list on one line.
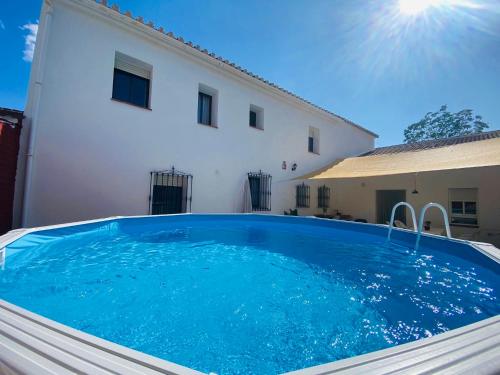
[(123, 118)]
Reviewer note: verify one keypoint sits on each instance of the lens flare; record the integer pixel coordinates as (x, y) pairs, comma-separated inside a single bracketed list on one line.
[(418, 7), (414, 7), (413, 39)]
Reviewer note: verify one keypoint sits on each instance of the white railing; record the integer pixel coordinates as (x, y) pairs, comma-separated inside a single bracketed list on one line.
[(3, 255), (393, 213), (421, 221)]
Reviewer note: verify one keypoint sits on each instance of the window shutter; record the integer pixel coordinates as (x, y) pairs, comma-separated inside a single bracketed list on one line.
[(131, 65), (463, 195)]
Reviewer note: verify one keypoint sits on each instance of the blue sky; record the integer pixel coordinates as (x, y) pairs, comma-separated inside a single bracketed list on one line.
[(372, 61)]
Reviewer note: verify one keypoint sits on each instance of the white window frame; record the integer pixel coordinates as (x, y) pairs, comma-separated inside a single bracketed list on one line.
[(463, 195)]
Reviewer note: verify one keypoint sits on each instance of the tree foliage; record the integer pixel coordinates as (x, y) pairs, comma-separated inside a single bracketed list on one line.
[(444, 124)]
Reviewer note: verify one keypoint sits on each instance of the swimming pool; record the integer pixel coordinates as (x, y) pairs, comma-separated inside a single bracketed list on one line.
[(249, 293)]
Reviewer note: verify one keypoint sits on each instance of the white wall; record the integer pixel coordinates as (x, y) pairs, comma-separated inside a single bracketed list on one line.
[(357, 197), (92, 155)]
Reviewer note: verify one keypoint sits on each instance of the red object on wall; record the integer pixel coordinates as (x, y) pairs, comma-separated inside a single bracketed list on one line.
[(10, 132)]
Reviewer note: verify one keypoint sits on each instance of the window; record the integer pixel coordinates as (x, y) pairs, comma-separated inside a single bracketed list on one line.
[(313, 140), (311, 144), (204, 109), (256, 117), (302, 197), (207, 106), (260, 191), (171, 192), (131, 81), (323, 197), (463, 206), (253, 119)]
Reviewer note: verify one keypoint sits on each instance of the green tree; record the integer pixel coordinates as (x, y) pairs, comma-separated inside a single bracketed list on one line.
[(444, 124)]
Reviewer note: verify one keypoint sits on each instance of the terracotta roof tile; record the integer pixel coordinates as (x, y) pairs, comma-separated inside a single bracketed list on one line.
[(433, 143)]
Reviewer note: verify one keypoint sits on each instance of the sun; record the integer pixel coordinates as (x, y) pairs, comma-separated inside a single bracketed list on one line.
[(416, 7)]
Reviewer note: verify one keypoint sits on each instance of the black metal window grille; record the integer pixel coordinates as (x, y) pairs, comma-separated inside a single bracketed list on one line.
[(303, 196), (204, 109), (260, 190), (130, 88), (253, 119), (171, 192), (323, 197)]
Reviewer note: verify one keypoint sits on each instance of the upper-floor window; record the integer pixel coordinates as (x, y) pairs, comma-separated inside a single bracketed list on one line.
[(253, 119), (310, 144), (463, 206), (131, 81), (313, 140), (256, 117), (207, 106), (204, 109), (260, 190), (302, 196), (323, 197)]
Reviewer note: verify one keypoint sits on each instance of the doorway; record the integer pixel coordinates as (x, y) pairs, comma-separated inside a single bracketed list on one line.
[(386, 200)]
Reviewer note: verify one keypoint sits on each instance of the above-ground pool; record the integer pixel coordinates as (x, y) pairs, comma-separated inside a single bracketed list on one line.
[(249, 294)]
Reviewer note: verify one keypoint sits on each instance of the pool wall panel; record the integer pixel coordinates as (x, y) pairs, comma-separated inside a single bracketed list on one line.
[(32, 344)]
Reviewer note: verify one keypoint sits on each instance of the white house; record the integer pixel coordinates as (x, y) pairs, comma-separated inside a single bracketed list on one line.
[(112, 99)]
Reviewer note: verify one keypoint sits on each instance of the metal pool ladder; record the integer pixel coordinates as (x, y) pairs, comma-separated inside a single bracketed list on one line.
[(420, 219), (391, 223)]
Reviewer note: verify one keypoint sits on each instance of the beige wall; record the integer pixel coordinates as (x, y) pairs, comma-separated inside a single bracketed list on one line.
[(356, 197)]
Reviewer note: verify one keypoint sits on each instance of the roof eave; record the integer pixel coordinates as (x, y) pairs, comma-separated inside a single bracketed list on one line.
[(218, 62)]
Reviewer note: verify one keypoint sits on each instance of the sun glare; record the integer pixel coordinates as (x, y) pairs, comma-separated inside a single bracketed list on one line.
[(415, 7)]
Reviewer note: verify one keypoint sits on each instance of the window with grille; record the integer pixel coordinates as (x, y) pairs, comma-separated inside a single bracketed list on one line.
[(171, 192), (323, 197), (131, 81), (260, 190), (302, 196)]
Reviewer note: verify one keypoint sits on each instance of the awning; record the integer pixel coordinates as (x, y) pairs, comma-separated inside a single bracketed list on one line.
[(466, 155)]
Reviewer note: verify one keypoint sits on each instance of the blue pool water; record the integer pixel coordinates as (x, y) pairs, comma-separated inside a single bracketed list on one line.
[(248, 294)]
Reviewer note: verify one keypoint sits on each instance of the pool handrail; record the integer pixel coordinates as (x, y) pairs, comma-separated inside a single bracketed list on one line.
[(421, 221), (393, 213)]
